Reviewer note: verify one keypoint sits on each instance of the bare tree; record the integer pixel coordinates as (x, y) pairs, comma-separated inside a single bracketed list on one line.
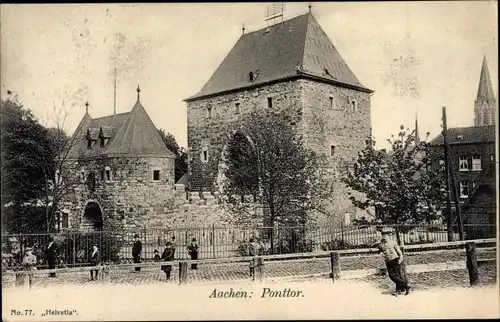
[(127, 57), (59, 170)]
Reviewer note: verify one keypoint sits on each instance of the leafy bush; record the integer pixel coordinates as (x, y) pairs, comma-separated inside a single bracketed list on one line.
[(76, 248), (284, 245), (335, 244)]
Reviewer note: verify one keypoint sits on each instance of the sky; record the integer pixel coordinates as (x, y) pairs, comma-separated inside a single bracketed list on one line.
[(416, 56)]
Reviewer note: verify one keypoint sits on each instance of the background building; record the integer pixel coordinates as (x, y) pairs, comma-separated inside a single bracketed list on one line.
[(472, 154), (291, 66)]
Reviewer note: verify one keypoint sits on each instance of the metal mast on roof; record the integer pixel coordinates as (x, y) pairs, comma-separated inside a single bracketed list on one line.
[(114, 98), (273, 12)]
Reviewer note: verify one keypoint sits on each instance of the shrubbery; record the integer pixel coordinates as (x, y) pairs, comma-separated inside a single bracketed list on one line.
[(284, 244)]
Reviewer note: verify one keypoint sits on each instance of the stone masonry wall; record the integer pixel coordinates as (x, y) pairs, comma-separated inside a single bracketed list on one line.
[(322, 121), (213, 132), (130, 199), (330, 119)]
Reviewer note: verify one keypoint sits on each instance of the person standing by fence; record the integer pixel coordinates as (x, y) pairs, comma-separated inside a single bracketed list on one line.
[(253, 250), (156, 256), (50, 254), (136, 251), (168, 255), (393, 257), (193, 252), (174, 247), (95, 260), (29, 264)]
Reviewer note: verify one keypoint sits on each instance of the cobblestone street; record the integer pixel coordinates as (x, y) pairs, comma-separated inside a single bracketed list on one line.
[(278, 269)]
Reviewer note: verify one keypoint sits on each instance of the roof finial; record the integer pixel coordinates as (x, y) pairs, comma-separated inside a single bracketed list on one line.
[(243, 29), (138, 92), (310, 7), (87, 107)]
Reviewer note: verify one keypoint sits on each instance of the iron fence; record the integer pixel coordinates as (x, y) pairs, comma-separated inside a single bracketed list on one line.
[(74, 248)]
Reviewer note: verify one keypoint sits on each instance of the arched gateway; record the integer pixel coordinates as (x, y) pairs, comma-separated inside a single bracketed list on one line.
[(92, 217), (236, 143)]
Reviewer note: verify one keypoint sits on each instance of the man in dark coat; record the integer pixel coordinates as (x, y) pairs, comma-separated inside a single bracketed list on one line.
[(95, 260), (50, 254), (136, 251), (174, 247), (193, 252), (167, 256)]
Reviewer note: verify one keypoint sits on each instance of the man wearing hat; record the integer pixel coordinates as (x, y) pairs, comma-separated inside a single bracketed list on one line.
[(95, 260), (136, 251), (168, 255), (393, 258), (29, 263), (193, 252)]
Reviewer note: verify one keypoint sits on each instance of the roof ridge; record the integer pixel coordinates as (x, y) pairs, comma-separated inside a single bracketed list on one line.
[(303, 43), (276, 24), (123, 113)]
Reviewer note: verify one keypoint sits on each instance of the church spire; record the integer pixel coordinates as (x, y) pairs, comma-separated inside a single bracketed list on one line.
[(485, 104), (485, 89)]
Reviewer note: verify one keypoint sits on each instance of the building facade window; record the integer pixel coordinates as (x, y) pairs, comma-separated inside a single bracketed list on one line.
[(270, 102), (476, 162), (65, 221), (237, 107), (464, 189), (473, 184), (209, 112), (463, 164), (332, 102), (332, 150), (82, 175), (492, 157), (204, 155), (107, 172), (354, 105), (156, 175)]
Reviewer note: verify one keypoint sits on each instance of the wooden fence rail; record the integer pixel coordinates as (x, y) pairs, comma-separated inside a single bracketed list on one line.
[(258, 263)]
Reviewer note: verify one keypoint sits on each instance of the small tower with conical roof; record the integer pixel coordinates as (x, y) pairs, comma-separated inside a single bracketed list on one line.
[(485, 103)]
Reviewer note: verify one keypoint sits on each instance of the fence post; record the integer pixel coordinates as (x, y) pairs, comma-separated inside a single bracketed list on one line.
[(213, 240), (335, 262), (74, 249), (403, 264), (342, 232), (470, 249), (183, 273), (258, 268), (104, 273)]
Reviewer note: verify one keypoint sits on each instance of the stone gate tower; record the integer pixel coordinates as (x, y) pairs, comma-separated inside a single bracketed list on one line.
[(123, 173), (291, 66)]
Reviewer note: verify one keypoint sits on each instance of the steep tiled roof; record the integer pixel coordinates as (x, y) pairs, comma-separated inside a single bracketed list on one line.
[(130, 134), (485, 89), (467, 135), (138, 136), (275, 53)]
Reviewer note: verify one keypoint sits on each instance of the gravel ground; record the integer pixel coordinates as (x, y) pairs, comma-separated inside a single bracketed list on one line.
[(279, 269)]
